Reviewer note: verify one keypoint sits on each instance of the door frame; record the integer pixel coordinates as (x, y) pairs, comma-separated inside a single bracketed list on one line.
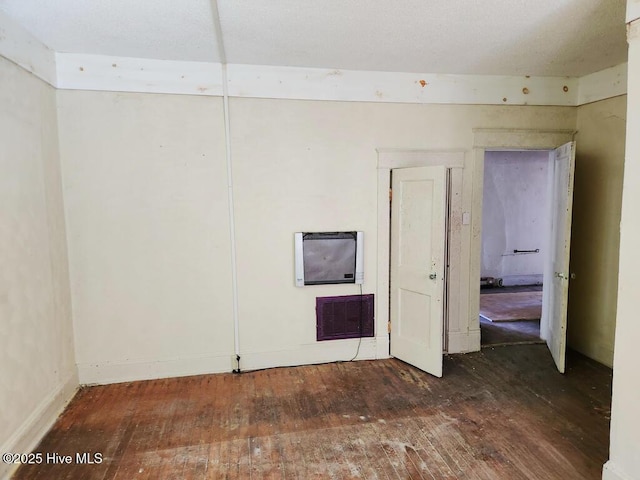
[(495, 140), (389, 159), (462, 324)]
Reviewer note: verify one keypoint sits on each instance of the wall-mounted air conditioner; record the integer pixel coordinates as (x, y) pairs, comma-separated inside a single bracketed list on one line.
[(329, 257)]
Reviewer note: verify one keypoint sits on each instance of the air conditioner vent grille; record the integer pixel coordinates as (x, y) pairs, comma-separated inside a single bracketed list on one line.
[(341, 317)]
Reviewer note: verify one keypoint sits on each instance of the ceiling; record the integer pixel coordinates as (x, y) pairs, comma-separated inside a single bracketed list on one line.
[(499, 37)]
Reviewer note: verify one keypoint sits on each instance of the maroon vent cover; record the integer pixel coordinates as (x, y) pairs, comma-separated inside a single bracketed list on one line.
[(349, 316)]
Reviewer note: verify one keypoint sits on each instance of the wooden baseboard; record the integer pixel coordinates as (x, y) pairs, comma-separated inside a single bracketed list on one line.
[(34, 428)]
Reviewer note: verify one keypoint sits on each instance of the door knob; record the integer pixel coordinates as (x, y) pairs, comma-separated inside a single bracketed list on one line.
[(432, 276)]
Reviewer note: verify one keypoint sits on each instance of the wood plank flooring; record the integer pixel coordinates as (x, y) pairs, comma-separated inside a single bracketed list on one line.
[(502, 413), (506, 307), (509, 333)]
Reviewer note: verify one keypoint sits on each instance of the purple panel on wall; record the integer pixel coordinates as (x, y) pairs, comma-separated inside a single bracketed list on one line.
[(348, 316)]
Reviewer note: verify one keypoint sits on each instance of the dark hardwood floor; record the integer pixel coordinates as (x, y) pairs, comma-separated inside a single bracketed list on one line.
[(502, 413), (516, 331), (509, 333), (511, 289)]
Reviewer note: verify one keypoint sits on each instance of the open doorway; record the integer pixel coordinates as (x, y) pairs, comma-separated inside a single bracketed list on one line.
[(516, 229), (460, 318), (553, 324)]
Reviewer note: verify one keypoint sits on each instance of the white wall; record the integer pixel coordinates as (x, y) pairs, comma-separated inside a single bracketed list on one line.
[(38, 374), (624, 463), (515, 215), (145, 187)]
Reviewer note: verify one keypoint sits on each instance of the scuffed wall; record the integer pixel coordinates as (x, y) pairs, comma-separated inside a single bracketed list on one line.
[(36, 346), (595, 233), (148, 225), (145, 186), (312, 166)]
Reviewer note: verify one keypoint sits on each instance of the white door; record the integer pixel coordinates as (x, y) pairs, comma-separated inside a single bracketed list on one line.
[(418, 210), (557, 287)]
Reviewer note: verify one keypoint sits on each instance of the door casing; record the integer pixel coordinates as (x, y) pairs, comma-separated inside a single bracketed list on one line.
[(497, 139), (462, 325)]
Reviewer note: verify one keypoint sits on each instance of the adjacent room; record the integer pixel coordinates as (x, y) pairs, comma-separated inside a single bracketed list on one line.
[(319, 240), (516, 235)]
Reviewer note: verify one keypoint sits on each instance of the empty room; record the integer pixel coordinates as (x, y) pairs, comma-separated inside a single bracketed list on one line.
[(248, 239)]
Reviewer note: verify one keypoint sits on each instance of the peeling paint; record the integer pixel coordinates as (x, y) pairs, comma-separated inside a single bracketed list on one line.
[(334, 72), (423, 83), (633, 31)]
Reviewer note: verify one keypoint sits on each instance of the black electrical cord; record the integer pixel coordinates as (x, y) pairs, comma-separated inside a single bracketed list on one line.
[(360, 326), (238, 369)]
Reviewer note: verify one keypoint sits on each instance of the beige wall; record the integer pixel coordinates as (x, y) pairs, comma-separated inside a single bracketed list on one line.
[(312, 166), (146, 201), (38, 373), (145, 188), (595, 232)]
